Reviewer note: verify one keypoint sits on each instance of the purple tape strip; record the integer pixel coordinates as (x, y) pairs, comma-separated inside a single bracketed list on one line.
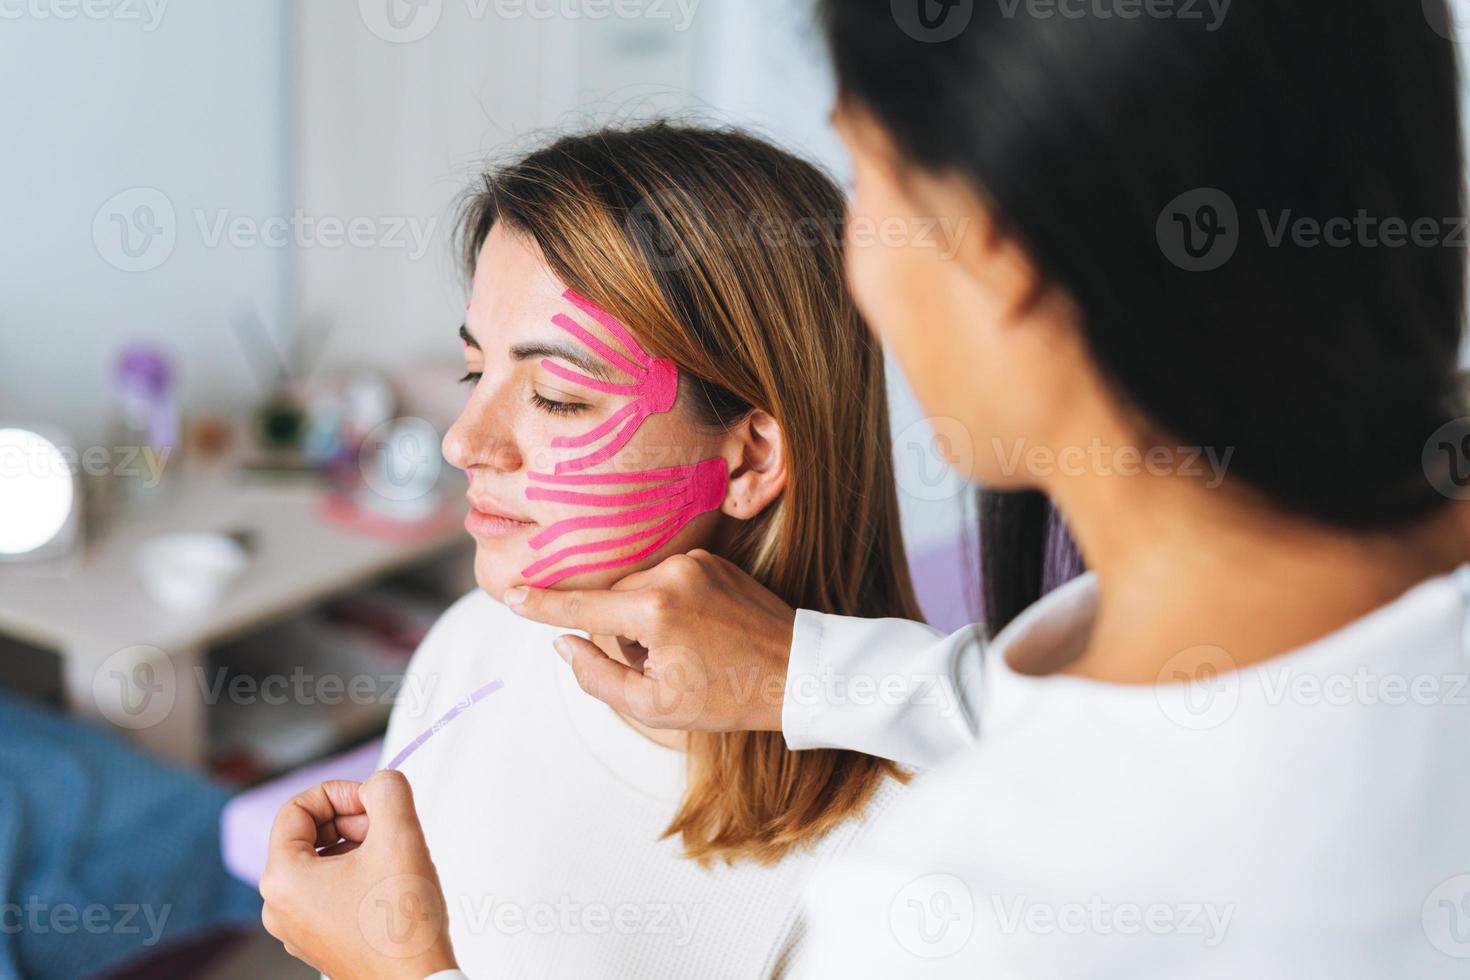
[(453, 713)]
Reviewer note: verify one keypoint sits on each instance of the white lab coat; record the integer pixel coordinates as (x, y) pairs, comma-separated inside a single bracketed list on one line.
[(1305, 817)]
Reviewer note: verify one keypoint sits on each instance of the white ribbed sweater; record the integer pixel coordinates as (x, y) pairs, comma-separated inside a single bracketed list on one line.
[(543, 812)]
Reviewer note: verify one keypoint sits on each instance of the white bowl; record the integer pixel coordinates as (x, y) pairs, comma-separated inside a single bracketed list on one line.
[(190, 572)]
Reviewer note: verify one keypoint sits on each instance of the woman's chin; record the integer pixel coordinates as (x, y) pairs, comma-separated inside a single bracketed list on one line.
[(495, 575)]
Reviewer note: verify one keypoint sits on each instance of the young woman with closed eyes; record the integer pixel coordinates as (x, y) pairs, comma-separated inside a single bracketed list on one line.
[(599, 273)]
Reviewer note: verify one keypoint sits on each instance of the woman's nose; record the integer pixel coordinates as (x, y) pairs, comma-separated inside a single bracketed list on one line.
[(479, 437)]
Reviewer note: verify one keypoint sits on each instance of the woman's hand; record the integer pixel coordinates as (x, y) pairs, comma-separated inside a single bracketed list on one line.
[(710, 644), (369, 906)]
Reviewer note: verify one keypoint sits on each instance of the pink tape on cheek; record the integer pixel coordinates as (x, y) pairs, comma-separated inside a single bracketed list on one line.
[(621, 519), (592, 435), (689, 492), (623, 499), (581, 549)]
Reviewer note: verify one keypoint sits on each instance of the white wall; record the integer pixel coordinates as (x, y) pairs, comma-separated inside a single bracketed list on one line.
[(189, 98), (396, 125)]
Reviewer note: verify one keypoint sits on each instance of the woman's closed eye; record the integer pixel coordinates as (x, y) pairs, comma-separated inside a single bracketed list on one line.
[(557, 407), (550, 405)]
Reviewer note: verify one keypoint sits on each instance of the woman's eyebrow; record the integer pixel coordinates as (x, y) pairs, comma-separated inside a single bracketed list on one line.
[(590, 363), (464, 335)]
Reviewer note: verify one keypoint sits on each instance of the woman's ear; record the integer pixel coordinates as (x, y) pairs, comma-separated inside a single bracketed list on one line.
[(756, 450)]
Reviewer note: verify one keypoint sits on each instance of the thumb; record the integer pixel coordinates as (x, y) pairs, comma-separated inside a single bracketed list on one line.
[(598, 674), (388, 800)]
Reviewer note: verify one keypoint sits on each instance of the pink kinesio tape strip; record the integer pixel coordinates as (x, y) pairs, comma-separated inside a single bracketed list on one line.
[(669, 498), (654, 388), (678, 494)]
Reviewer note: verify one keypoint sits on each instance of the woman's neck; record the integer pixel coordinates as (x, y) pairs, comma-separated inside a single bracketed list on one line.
[(669, 739), (1181, 566)]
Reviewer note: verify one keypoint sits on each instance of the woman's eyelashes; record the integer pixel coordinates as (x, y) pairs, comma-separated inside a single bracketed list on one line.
[(549, 405), (556, 407)]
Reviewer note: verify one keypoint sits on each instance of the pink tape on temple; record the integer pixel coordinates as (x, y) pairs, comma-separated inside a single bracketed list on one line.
[(654, 389), (681, 494)]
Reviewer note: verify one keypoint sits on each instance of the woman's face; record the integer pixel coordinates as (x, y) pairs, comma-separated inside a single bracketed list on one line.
[(516, 407), (990, 357)]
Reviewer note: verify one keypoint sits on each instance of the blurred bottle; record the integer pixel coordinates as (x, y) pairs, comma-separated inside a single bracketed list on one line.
[(145, 433)]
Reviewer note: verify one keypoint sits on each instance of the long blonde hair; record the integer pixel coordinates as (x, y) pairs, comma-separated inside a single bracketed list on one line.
[(724, 253)]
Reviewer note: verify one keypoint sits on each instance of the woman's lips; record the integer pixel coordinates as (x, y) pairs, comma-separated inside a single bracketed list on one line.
[(487, 520)]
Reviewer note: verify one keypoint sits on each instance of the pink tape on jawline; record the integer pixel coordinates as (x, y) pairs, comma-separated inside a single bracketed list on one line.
[(678, 495), (654, 390)]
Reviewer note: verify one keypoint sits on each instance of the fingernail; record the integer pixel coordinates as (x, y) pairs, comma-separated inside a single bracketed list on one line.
[(515, 596), (563, 648)]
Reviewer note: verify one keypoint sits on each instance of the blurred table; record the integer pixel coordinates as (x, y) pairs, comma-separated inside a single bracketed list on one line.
[(132, 664)]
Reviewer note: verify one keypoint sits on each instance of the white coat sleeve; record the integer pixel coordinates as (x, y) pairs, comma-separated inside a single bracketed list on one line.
[(892, 688)]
